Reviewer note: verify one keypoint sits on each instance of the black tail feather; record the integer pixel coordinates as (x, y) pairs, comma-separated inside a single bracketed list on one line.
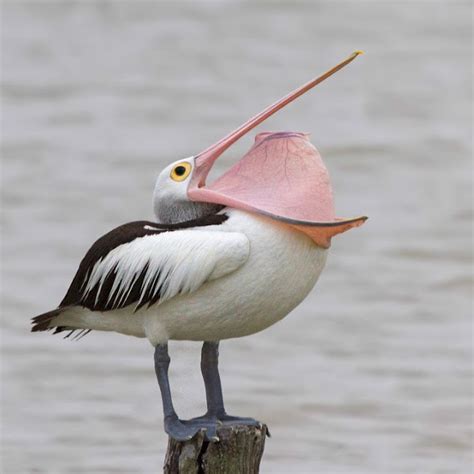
[(44, 322)]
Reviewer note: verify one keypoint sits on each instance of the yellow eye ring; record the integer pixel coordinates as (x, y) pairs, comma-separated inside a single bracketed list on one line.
[(181, 171)]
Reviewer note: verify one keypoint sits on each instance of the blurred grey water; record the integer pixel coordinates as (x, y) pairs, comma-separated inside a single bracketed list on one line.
[(372, 373)]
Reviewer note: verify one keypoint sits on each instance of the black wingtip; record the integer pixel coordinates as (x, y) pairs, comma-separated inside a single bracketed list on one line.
[(42, 321)]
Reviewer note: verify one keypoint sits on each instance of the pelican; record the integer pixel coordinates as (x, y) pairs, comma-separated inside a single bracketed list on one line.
[(222, 260)]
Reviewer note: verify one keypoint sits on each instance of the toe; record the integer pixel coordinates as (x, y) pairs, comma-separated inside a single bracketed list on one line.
[(210, 433), (207, 424), (178, 430)]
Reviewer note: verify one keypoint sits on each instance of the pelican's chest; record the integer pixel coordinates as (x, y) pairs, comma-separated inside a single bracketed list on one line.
[(282, 268)]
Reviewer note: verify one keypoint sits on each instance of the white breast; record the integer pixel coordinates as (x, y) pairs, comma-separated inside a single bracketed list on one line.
[(283, 266)]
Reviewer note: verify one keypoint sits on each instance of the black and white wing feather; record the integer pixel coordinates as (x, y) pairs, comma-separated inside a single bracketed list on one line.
[(154, 264), (143, 263)]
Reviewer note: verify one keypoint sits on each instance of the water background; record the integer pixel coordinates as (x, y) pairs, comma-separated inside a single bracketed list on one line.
[(372, 372)]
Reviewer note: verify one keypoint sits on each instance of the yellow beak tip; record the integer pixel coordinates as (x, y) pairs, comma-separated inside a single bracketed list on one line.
[(359, 51)]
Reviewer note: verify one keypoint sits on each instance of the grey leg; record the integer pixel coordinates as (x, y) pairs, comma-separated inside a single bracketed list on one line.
[(212, 380), (216, 414), (173, 426), (185, 429)]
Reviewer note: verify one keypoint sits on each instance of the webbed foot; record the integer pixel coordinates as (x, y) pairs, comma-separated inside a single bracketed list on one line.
[(179, 429), (209, 424), (206, 423)]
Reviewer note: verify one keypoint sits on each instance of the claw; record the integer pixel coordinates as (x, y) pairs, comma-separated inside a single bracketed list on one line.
[(210, 432)]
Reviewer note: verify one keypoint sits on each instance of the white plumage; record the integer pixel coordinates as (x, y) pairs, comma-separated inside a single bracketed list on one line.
[(219, 283), (174, 263)]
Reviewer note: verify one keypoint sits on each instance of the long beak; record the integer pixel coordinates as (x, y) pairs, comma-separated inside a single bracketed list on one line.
[(205, 159)]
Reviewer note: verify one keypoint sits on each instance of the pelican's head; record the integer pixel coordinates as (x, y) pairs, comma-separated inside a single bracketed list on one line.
[(171, 203), (282, 177)]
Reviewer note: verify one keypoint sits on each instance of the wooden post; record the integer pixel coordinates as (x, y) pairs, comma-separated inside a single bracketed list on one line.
[(238, 451)]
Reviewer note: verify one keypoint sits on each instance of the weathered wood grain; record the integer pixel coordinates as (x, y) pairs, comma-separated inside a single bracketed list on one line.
[(238, 451)]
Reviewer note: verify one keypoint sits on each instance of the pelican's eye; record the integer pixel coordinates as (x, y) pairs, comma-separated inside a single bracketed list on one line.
[(181, 171)]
